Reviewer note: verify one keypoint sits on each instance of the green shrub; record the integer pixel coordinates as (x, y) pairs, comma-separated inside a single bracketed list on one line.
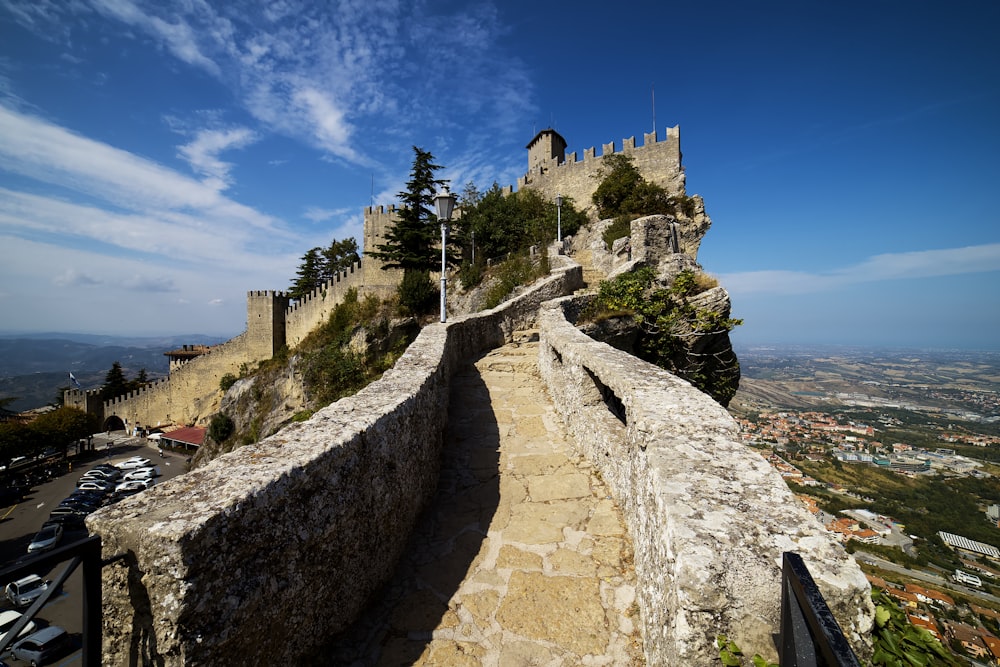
[(516, 271), (227, 381), (669, 327), (417, 293), (221, 427), (620, 228)]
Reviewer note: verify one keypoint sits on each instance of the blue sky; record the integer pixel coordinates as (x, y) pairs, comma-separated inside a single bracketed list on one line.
[(160, 159)]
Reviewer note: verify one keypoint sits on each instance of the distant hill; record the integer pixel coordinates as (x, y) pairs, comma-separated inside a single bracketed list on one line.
[(34, 366)]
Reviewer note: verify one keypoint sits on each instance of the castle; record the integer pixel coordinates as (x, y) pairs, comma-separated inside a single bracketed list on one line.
[(191, 394)]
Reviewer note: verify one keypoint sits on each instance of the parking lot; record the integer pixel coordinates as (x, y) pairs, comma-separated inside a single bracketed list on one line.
[(20, 522)]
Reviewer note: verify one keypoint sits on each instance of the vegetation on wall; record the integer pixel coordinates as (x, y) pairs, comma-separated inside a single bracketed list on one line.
[(670, 326), (624, 194)]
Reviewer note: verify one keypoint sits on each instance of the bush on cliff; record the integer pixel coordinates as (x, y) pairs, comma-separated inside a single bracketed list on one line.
[(689, 341), (625, 195)]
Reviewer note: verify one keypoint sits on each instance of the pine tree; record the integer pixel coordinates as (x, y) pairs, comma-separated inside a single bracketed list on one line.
[(337, 257), (115, 383), (308, 274), (411, 242)]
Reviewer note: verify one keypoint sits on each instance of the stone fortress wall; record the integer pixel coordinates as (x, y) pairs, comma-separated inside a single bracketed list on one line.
[(708, 517), (307, 524), (552, 172), (191, 393), (303, 526)]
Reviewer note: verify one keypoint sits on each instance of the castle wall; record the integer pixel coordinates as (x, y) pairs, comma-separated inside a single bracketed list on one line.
[(708, 518), (658, 161), (191, 394), (304, 526), (378, 219), (315, 308)]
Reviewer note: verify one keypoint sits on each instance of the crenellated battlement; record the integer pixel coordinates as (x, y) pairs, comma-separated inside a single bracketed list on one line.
[(555, 172)]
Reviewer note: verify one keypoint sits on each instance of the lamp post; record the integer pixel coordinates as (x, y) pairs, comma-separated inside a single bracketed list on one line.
[(444, 202), (559, 218)]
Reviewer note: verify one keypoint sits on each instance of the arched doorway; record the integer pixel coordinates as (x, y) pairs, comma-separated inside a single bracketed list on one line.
[(114, 423)]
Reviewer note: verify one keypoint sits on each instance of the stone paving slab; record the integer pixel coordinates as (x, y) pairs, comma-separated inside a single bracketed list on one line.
[(522, 559)]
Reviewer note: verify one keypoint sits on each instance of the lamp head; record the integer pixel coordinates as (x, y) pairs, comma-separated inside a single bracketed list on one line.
[(444, 203)]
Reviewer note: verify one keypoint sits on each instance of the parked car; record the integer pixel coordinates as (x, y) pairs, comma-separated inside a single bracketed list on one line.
[(68, 520), (26, 590), (42, 646), (135, 462), (94, 485), (8, 618), (141, 473), (68, 510), (102, 473), (46, 538), (135, 485)]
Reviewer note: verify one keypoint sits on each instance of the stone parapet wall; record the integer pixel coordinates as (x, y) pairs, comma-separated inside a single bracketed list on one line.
[(708, 517), (268, 551)]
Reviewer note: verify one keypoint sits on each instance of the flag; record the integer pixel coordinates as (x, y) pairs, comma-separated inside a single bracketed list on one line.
[(76, 383)]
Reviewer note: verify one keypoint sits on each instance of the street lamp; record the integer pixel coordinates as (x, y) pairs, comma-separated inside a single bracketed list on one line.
[(444, 202), (559, 218)]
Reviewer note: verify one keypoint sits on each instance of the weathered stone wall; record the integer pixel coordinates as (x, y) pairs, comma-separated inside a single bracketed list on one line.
[(658, 161), (268, 551), (709, 518), (191, 394), (317, 306)]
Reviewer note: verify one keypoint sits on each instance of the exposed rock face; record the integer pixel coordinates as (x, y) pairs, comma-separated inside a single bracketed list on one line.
[(261, 404), (668, 245)]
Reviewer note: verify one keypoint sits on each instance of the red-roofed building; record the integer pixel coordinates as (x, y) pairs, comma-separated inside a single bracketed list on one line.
[(187, 437)]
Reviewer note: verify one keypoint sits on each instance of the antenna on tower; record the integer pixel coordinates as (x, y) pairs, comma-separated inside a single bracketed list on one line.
[(373, 190), (652, 90)]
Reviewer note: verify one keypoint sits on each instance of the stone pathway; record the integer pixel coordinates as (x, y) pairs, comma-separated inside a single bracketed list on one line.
[(522, 559)]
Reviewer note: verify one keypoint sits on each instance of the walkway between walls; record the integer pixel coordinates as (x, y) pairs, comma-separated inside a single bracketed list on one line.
[(522, 558)]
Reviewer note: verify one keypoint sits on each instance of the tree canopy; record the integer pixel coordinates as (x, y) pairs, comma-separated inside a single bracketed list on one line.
[(321, 265), (411, 241), (116, 384)]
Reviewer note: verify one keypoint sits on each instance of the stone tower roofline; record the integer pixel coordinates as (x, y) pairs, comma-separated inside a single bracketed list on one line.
[(546, 131)]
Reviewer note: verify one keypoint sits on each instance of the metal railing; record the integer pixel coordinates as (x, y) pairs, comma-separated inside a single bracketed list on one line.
[(85, 553), (810, 635)]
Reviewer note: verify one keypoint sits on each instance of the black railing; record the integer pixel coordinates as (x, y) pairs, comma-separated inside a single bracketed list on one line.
[(86, 553), (810, 635)]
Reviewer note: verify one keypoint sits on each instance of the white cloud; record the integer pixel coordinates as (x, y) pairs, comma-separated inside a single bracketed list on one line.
[(203, 153), (891, 266), (51, 154), (176, 34), (317, 214)]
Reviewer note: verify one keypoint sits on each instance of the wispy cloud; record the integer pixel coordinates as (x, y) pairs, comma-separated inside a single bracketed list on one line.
[(353, 79), (203, 153), (891, 266)]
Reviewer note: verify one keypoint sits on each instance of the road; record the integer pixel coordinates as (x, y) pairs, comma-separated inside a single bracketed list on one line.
[(923, 575), (19, 523)]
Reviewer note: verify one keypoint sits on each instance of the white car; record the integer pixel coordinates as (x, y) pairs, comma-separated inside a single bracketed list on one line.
[(8, 618), (141, 474), (95, 485), (135, 485), (24, 591), (134, 462)]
